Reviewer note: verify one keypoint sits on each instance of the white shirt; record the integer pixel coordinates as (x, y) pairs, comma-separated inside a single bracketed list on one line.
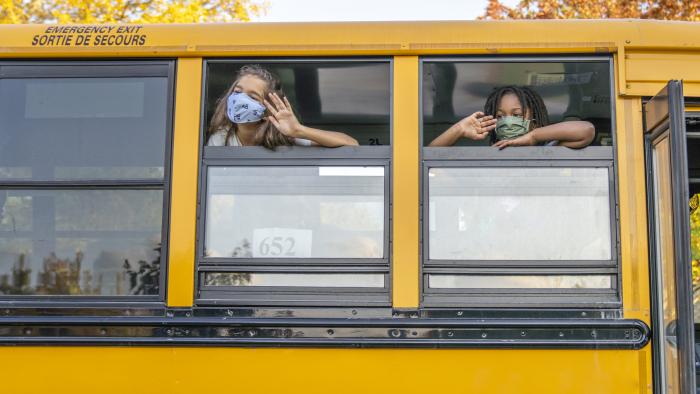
[(219, 139)]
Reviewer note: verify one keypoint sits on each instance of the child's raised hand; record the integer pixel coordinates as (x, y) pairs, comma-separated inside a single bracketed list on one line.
[(476, 126), (282, 116)]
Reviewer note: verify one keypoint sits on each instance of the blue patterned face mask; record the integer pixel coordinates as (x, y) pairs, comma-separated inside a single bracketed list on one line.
[(241, 108)]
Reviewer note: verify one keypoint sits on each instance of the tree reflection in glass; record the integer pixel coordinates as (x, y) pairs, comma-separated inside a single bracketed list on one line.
[(82, 242)]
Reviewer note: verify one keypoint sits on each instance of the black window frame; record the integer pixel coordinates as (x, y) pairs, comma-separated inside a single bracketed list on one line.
[(253, 156), (540, 156), (28, 69)]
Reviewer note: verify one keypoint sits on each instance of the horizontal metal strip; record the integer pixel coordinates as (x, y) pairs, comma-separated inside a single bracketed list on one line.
[(520, 58), (520, 313), (327, 62), (521, 263), (602, 153), (233, 263), (73, 309), (521, 291), (124, 69), (434, 333), (68, 310), (291, 152), (83, 184), (327, 268), (298, 300), (519, 301), (103, 234), (291, 291), (543, 270)]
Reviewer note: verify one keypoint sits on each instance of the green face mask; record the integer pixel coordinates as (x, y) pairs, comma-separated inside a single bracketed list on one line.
[(509, 127)]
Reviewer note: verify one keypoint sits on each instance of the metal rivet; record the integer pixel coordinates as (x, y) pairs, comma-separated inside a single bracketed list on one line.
[(460, 313), (627, 41), (450, 334), (584, 314), (103, 331), (354, 312), (252, 333), (561, 334), (483, 335), (27, 331), (522, 333), (169, 314), (414, 333), (395, 333), (169, 331), (188, 314), (229, 312), (330, 332)]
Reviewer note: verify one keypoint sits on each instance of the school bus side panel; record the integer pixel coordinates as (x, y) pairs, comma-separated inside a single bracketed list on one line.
[(266, 370)]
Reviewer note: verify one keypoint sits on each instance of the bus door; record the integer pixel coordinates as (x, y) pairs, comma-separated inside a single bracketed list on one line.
[(667, 190)]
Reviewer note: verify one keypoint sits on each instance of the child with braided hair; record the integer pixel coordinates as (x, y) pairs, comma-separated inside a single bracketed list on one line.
[(519, 117)]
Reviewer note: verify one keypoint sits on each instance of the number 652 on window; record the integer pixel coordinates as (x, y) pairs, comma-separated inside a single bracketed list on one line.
[(281, 242)]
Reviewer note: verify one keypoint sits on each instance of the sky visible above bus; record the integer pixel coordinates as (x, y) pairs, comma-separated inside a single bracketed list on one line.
[(373, 10)]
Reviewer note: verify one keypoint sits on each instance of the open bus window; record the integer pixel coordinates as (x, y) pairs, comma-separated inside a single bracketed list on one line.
[(530, 225), (350, 97), (576, 90), (297, 227), (83, 178)]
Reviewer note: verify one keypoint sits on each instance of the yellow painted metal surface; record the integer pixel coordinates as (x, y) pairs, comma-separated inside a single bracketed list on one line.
[(648, 53), (406, 170), (631, 183), (228, 370), (647, 72), (183, 200), (355, 38), (633, 209)]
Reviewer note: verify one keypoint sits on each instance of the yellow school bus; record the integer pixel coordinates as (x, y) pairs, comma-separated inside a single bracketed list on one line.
[(137, 257)]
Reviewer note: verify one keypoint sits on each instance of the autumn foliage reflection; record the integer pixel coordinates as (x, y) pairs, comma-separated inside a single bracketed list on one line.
[(65, 276)]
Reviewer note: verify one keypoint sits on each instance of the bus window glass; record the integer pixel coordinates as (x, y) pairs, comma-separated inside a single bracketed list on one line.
[(570, 90), (83, 128), (352, 97), (526, 213), (519, 281), (692, 125), (295, 212), (83, 179), (242, 279), (80, 242)]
